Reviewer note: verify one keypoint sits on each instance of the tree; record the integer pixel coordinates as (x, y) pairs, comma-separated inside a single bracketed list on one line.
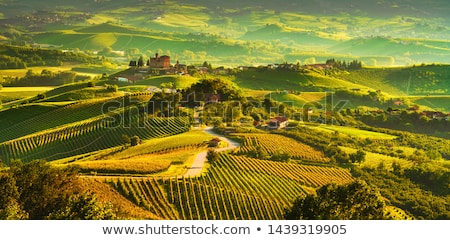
[(13, 211), (355, 201), (10, 209), (43, 189), (126, 139), (135, 140), (29, 73), (212, 155), (268, 104), (111, 88), (84, 207), (41, 96), (105, 76), (311, 60), (140, 61), (133, 51), (357, 157), (207, 65), (259, 153), (133, 63), (281, 156), (106, 51)]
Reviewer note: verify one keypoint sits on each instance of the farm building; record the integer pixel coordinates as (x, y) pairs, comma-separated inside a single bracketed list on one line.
[(278, 122), (129, 79)]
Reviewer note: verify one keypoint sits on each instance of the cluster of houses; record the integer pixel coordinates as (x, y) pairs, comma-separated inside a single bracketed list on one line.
[(437, 115), (161, 65), (158, 65), (279, 122)]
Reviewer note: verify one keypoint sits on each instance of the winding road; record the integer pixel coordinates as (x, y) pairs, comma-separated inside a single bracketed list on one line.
[(196, 167), (200, 159)]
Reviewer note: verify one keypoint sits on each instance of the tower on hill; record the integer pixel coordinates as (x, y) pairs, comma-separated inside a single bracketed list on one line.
[(160, 61)]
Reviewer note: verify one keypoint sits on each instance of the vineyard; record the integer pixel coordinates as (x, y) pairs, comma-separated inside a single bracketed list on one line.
[(68, 114), (272, 143), (88, 136), (234, 187), (148, 194), (145, 164), (314, 176)]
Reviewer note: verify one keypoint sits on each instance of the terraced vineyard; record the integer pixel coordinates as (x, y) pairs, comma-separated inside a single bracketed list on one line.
[(148, 194), (87, 136), (205, 199), (271, 143), (68, 114), (314, 176), (235, 187)]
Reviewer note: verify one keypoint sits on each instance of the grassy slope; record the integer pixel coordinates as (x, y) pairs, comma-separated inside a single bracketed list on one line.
[(437, 103), (179, 82), (353, 132), (403, 81), (9, 95), (373, 160), (288, 80), (415, 50), (288, 35)]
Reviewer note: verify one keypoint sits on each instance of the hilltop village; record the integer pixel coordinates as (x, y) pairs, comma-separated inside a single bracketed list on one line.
[(161, 65)]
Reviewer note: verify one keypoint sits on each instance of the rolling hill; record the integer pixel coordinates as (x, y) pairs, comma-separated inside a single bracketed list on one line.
[(383, 33)]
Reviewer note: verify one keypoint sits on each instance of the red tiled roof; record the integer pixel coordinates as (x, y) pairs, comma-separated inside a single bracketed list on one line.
[(279, 119)]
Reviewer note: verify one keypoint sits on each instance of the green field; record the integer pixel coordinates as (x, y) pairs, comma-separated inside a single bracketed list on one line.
[(9, 95), (24, 90), (373, 160), (354, 132), (179, 82), (434, 102), (147, 164)]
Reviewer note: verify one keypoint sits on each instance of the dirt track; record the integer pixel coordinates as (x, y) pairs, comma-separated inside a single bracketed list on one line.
[(200, 159)]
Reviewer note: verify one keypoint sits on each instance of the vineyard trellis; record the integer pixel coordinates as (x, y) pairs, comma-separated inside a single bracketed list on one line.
[(68, 114), (87, 136), (234, 187), (273, 143)]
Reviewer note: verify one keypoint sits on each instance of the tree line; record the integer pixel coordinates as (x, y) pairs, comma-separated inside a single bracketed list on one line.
[(343, 65), (45, 78), (17, 57)]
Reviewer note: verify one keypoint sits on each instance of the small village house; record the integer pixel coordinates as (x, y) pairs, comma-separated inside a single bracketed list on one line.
[(279, 122)]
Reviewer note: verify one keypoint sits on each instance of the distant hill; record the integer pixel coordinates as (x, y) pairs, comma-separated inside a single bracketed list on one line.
[(272, 32), (412, 50), (379, 33)]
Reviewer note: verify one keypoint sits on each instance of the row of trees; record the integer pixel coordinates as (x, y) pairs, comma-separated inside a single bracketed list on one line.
[(408, 121), (16, 57), (8, 62), (343, 65), (46, 78), (405, 194), (355, 201)]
